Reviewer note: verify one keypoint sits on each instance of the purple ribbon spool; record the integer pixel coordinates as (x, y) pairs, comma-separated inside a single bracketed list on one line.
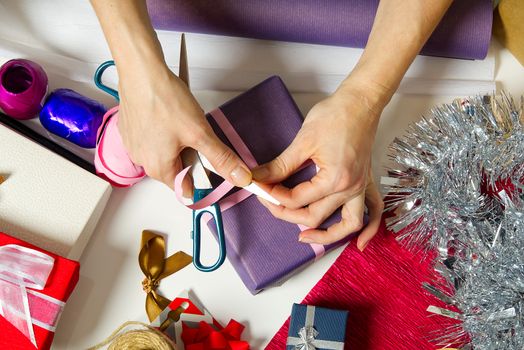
[(72, 116), (23, 86)]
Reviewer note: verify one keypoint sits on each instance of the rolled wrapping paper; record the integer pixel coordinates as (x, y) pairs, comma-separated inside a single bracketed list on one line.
[(72, 116), (112, 161), (23, 86), (464, 32)]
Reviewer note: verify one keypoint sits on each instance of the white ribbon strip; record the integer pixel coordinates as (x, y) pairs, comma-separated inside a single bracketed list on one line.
[(22, 268), (307, 336)]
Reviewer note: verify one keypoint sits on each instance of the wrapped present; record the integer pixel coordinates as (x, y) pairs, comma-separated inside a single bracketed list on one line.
[(316, 328), (260, 124), (34, 286), (191, 327), (47, 200), (206, 337), (191, 313)]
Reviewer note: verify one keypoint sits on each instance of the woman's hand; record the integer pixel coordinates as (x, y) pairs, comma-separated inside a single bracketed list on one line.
[(159, 117), (338, 135)]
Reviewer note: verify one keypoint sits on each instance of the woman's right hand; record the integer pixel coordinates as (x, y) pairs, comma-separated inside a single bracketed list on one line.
[(159, 117)]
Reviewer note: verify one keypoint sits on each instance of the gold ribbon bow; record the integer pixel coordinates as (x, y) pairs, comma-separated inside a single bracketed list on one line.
[(155, 267)]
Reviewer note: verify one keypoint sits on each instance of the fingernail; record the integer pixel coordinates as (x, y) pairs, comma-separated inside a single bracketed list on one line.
[(362, 246), (260, 173), (241, 176), (305, 240)]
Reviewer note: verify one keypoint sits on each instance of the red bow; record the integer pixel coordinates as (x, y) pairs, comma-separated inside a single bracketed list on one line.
[(206, 337)]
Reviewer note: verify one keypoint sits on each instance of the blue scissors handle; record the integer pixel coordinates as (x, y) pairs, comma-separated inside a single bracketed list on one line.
[(98, 79), (214, 210)]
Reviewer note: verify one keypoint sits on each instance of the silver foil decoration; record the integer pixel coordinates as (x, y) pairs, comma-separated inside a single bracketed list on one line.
[(446, 166), (457, 188)]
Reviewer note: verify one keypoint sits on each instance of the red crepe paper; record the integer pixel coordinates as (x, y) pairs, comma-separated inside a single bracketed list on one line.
[(381, 289), (60, 285), (205, 337)]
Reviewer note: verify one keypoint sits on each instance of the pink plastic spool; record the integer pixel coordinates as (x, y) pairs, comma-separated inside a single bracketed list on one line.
[(23, 86), (111, 159)]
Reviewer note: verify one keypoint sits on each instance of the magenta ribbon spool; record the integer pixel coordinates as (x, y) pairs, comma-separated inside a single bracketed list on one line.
[(23, 86)]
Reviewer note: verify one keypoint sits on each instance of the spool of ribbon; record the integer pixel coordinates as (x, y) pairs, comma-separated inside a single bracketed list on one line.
[(111, 159), (218, 194), (156, 267), (308, 336), (72, 116), (23, 85), (205, 337), (21, 271)]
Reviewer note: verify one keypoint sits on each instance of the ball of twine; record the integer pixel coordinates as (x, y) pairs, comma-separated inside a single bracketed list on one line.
[(144, 338)]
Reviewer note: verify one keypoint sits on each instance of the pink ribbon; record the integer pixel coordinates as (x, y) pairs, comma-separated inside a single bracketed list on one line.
[(219, 193), (22, 268)]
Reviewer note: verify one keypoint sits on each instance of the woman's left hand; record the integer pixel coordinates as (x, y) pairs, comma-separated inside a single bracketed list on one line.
[(337, 135)]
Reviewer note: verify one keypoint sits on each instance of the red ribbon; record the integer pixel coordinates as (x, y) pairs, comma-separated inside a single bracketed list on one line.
[(206, 337)]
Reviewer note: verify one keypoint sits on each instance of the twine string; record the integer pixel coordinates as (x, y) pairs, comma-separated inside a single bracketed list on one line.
[(145, 338)]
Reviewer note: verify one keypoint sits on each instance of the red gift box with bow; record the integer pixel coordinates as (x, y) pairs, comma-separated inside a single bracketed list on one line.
[(206, 337), (196, 329), (57, 275)]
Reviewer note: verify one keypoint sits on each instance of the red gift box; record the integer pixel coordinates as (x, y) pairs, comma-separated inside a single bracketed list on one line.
[(60, 284)]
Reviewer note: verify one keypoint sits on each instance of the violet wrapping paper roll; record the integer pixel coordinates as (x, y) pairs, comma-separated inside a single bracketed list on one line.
[(464, 32), (265, 250)]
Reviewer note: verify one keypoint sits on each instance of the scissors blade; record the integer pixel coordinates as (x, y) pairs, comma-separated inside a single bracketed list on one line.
[(198, 172), (252, 187), (183, 70)]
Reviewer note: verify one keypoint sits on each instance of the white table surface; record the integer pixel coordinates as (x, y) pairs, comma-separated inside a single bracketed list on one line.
[(109, 291)]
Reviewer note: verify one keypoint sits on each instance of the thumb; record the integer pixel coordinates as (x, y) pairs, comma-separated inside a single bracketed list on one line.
[(226, 162), (284, 165)]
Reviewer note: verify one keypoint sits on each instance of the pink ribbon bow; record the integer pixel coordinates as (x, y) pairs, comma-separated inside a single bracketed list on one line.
[(22, 268)]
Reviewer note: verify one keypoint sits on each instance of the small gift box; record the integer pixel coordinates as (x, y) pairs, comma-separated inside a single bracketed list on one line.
[(317, 328), (207, 337), (193, 313), (196, 329), (34, 286), (260, 124)]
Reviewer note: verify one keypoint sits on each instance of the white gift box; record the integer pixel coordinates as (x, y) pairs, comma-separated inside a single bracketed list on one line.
[(47, 200)]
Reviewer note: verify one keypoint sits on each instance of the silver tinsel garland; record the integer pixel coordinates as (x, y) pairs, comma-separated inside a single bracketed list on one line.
[(457, 187)]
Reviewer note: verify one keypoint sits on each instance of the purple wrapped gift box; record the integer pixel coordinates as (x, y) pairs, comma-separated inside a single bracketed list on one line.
[(265, 250)]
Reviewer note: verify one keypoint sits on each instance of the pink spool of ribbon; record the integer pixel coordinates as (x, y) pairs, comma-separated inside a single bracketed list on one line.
[(23, 86), (112, 161)]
